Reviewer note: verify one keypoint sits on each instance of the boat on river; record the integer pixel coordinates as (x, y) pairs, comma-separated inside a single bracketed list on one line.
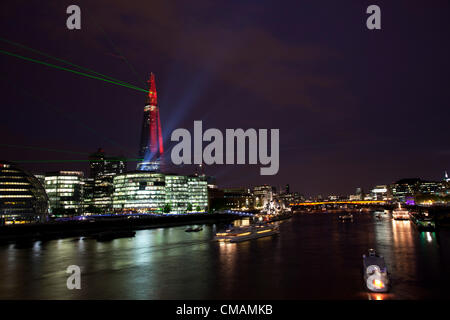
[(244, 233), (423, 221), (400, 213), (376, 277)]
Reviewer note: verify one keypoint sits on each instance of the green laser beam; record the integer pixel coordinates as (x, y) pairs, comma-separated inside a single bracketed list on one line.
[(69, 70), (43, 149), (65, 161), (64, 61)]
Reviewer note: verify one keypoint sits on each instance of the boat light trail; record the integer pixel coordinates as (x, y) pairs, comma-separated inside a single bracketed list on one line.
[(64, 61), (70, 70)]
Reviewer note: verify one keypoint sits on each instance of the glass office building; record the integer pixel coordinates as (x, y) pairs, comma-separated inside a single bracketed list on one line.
[(198, 193), (65, 192), (139, 192), (177, 193), (153, 192)]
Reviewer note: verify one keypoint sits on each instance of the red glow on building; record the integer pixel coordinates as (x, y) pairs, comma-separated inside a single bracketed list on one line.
[(152, 95), (151, 140)]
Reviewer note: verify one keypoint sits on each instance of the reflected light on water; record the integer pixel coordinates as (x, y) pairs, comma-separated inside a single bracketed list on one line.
[(227, 258), (427, 237), (402, 232), (376, 296), (403, 247)]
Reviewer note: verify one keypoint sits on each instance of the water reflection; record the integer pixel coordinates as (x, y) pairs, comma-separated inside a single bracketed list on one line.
[(429, 237), (314, 257)]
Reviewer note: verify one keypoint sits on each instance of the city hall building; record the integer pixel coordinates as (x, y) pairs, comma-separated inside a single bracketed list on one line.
[(22, 196)]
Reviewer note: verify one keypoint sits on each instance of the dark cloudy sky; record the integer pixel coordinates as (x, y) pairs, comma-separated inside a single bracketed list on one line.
[(354, 107)]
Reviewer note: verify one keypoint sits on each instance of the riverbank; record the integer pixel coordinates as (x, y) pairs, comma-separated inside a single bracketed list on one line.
[(75, 228)]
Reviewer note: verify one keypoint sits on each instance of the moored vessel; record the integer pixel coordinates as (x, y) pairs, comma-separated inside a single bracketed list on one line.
[(423, 221)]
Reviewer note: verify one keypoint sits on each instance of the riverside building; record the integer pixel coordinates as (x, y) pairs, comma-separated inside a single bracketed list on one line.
[(22, 196), (155, 192), (65, 192)]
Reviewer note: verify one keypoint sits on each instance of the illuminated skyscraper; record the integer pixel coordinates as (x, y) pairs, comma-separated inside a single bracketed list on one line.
[(151, 148)]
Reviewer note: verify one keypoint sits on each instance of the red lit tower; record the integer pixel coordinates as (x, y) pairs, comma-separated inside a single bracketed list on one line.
[(151, 148)]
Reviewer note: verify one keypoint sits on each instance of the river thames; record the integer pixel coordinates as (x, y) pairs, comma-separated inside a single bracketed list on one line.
[(315, 256)]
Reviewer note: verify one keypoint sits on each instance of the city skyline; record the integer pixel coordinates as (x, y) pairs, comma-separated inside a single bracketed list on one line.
[(224, 158), (347, 118)]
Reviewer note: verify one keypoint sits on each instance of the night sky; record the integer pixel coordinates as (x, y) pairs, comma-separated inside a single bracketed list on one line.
[(355, 107)]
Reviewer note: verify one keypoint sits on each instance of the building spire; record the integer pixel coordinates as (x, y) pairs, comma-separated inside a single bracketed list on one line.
[(151, 147), (152, 96)]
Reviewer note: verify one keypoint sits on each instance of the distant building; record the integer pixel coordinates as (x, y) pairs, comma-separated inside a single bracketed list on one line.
[(22, 196), (99, 188), (404, 188), (65, 192), (238, 198), (263, 194), (409, 189), (216, 198), (101, 165), (380, 193), (357, 196)]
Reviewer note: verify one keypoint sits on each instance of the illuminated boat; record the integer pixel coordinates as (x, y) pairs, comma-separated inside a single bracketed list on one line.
[(423, 222), (400, 213), (375, 272), (244, 233)]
